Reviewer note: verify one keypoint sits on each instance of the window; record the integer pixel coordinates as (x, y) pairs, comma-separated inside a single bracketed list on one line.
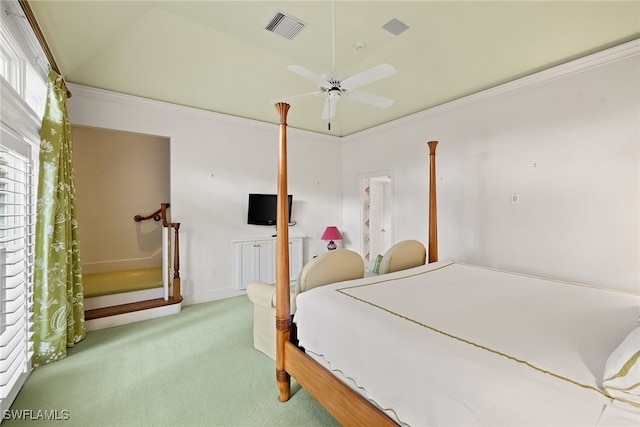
[(17, 230), (34, 89), (23, 74)]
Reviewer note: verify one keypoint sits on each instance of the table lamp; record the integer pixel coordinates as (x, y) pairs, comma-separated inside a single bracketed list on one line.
[(331, 233)]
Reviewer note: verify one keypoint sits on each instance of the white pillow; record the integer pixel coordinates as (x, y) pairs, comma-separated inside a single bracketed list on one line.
[(622, 370)]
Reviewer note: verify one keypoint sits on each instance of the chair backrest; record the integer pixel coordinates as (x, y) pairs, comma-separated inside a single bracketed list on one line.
[(403, 255), (331, 267)]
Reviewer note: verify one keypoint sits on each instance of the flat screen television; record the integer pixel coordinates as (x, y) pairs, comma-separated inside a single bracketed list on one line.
[(263, 209)]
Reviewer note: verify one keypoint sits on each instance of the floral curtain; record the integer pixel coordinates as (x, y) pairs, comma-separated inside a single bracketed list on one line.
[(58, 297)]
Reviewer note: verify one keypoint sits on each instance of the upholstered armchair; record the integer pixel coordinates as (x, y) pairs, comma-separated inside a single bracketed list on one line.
[(334, 266), (403, 255)]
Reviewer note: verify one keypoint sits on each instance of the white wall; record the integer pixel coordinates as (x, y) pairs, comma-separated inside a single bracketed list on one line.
[(565, 140), (216, 161)]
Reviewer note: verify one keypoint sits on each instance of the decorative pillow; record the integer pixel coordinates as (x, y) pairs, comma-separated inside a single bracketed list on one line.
[(622, 370), (376, 264)]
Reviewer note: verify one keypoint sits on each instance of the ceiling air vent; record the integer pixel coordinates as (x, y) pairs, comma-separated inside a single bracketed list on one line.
[(285, 25), (395, 27)]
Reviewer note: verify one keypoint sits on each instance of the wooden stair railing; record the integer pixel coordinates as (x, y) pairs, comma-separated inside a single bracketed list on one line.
[(156, 216), (161, 214), (176, 251)]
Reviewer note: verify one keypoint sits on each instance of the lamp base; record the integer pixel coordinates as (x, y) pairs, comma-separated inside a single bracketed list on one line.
[(331, 246)]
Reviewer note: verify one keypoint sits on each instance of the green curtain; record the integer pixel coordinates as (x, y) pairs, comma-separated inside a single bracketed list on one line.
[(58, 296)]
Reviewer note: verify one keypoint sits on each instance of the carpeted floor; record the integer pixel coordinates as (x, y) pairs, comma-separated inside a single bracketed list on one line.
[(196, 368)]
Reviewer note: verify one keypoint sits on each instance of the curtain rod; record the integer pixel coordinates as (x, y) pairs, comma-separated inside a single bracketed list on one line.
[(43, 42)]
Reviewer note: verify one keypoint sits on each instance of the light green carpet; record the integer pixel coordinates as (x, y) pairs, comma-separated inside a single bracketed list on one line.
[(196, 368)]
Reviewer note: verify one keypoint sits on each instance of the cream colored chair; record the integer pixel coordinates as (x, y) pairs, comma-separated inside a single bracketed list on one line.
[(403, 255), (331, 267)]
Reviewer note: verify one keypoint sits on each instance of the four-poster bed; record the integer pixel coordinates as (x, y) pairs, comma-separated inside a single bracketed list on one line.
[(347, 406), (449, 343)]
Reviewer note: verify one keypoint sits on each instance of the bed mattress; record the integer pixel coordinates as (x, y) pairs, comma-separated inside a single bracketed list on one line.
[(455, 344)]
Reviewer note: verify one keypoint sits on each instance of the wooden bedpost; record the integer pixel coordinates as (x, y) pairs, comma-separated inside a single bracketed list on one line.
[(433, 209), (283, 310)]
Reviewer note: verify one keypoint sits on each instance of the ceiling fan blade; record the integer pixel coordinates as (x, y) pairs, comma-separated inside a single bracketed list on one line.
[(295, 97), (300, 70), (330, 106), (371, 75), (368, 98)]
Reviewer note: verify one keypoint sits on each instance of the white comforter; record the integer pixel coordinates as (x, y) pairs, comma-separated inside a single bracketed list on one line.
[(453, 344)]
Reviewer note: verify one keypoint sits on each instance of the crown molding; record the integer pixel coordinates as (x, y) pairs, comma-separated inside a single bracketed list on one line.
[(607, 56), (604, 57), (190, 112)]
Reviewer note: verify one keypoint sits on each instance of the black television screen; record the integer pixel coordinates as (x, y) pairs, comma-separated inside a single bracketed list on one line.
[(263, 209)]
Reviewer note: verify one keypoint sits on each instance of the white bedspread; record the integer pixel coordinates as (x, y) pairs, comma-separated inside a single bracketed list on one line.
[(453, 344)]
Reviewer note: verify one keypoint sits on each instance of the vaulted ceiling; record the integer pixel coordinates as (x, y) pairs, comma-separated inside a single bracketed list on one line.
[(218, 56)]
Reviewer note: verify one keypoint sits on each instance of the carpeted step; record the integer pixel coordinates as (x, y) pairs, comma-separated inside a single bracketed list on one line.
[(114, 282)]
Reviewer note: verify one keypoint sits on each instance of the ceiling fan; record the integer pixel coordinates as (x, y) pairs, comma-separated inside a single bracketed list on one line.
[(336, 85)]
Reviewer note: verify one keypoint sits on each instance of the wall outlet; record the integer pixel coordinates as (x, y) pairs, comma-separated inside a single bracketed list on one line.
[(515, 198)]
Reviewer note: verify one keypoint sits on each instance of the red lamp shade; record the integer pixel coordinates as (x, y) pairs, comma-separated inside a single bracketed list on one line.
[(331, 233)]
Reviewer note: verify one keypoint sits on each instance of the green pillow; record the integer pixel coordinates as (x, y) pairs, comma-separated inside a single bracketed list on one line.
[(376, 265)]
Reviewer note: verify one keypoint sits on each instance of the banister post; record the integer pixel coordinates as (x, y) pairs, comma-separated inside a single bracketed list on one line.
[(176, 264), (176, 251)]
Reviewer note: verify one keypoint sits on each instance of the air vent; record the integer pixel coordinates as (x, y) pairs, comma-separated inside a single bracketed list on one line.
[(395, 27), (285, 25)]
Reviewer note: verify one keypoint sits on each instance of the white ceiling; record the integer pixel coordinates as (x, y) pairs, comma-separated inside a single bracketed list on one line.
[(217, 56)]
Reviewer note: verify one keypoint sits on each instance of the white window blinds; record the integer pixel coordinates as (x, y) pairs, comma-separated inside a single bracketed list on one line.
[(17, 230), (23, 75)]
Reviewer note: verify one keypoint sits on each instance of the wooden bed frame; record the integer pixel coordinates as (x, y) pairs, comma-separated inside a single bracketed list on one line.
[(346, 405)]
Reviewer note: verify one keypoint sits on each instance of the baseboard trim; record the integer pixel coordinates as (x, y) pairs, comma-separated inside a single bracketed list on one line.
[(211, 296)]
